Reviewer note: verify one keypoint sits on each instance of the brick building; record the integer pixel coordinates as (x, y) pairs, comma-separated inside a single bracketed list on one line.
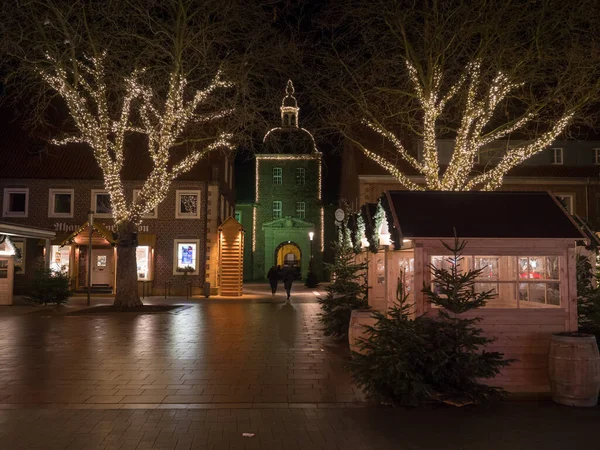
[(284, 221), (568, 169), (55, 187)]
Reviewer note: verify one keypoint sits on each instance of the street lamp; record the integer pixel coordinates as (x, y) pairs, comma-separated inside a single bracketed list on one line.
[(311, 235)]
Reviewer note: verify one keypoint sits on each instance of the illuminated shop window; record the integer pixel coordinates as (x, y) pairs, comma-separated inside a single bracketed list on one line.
[(186, 257), (60, 257), (142, 255)]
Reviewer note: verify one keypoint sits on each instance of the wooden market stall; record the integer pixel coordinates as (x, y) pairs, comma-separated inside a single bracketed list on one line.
[(231, 258), (524, 241)]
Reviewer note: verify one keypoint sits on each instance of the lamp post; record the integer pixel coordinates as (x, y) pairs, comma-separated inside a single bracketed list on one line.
[(311, 235), (89, 272)]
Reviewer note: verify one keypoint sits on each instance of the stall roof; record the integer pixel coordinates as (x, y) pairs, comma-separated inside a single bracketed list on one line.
[(481, 215)]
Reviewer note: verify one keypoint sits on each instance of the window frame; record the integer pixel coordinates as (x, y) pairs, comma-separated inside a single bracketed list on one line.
[(52, 202), (572, 202), (94, 194), (149, 264), (300, 176), (597, 156), (178, 194), (176, 243), (553, 159), (153, 214), (280, 209), (301, 210), (278, 178), (6, 202)]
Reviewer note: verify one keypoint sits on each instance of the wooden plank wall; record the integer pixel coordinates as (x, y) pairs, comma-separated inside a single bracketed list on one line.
[(523, 335)]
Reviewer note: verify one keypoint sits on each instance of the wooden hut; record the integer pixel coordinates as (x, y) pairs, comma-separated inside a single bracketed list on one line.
[(525, 241)]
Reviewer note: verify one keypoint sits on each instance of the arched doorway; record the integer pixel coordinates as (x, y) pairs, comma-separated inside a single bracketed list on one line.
[(288, 254)]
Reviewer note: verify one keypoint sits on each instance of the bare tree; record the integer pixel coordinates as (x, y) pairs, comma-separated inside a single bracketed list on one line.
[(474, 72), (171, 71)]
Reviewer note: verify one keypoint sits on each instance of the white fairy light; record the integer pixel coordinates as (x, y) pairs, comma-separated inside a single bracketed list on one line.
[(86, 97)]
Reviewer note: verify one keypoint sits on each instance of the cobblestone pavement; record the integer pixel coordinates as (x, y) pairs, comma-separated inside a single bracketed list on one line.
[(202, 376)]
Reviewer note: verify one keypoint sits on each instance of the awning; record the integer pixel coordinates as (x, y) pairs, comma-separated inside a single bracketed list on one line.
[(102, 231), (12, 229)]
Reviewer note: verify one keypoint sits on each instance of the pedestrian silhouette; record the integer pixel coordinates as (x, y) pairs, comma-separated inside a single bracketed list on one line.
[(273, 276), (288, 278)]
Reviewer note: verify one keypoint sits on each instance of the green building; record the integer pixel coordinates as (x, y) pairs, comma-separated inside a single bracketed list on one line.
[(284, 224)]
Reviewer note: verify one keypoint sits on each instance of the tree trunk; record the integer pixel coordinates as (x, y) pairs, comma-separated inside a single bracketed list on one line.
[(127, 295)]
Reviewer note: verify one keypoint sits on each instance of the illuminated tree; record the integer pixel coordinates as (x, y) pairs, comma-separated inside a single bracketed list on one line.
[(399, 76)]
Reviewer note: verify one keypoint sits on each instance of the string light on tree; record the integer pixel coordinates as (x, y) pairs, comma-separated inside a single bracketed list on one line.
[(481, 102)]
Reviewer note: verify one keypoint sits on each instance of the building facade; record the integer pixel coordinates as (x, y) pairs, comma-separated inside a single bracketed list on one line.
[(285, 222), (55, 188), (568, 169)]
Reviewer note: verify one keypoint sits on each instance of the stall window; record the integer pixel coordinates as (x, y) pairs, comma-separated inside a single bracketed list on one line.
[(60, 203), (188, 204), (517, 281), (101, 203), (186, 256), (16, 202), (153, 214), (407, 273), (60, 258), (142, 255)]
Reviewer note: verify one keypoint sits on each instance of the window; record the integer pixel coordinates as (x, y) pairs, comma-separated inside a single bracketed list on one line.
[(557, 155), (222, 210), (16, 202), (101, 203), (300, 175), (276, 209), (477, 158), (238, 216), (277, 175), (60, 258), (142, 257), (300, 210), (60, 203), (187, 204), (517, 281), (597, 156), (149, 215), (186, 256), (567, 201)]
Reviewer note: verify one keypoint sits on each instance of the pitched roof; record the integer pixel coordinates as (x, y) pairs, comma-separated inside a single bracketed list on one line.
[(480, 215)]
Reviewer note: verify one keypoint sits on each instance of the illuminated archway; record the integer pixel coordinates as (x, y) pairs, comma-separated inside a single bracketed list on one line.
[(288, 254)]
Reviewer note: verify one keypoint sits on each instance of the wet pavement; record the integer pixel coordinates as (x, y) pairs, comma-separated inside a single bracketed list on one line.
[(202, 375)]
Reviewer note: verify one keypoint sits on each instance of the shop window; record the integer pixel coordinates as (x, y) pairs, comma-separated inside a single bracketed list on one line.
[(300, 175), (153, 214), (277, 175), (277, 209), (101, 203), (567, 201), (516, 281), (142, 255), (188, 204), (300, 210), (186, 256), (16, 202), (60, 258), (60, 203)]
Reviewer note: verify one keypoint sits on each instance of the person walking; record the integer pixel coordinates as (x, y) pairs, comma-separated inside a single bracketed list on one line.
[(288, 279), (273, 276)]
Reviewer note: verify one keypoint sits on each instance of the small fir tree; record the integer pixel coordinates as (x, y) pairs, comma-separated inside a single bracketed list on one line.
[(588, 297), (457, 357), (348, 290), (48, 286)]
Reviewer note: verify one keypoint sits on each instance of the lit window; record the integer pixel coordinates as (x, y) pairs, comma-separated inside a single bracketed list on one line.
[(60, 203), (277, 209), (557, 155), (60, 258), (567, 201), (300, 210), (101, 203), (16, 202), (142, 256), (153, 214), (186, 257), (188, 205), (597, 156), (300, 175), (277, 175)]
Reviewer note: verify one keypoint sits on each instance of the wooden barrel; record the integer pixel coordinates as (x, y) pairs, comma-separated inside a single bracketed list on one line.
[(358, 320), (574, 369)]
